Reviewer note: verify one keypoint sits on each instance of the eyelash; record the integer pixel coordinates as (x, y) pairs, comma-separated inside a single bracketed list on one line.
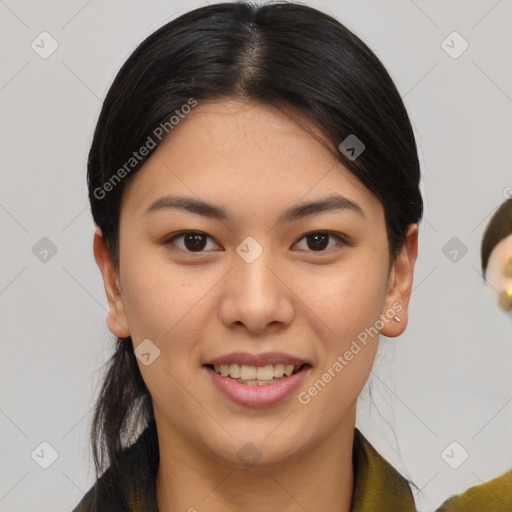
[(181, 234)]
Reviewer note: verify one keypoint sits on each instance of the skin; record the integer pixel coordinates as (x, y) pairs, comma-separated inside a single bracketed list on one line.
[(495, 276), (257, 161)]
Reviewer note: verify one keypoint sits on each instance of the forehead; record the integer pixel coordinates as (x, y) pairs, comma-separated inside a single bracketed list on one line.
[(245, 153)]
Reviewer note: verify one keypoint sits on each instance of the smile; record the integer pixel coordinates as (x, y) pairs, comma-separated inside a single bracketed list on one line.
[(256, 375), (257, 386)]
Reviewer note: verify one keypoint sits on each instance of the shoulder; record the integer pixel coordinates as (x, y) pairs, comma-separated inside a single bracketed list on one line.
[(103, 496), (136, 491), (495, 495), (378, 486), (96, 499)]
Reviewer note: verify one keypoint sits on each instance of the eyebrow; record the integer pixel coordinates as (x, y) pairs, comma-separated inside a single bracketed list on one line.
[(296, 212)]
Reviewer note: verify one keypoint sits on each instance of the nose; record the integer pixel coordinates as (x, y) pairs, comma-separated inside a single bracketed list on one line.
[(256, 295)]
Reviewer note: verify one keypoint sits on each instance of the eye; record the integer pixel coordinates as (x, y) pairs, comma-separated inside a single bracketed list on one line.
[(194, 241), (318, 240)]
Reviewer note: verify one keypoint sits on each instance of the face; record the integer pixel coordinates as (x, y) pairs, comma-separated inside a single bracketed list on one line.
[(248, 285), (499, 273)]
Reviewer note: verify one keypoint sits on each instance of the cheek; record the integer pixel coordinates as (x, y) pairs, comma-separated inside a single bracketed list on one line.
[(345, 300), (346, 304), (163, 301), (167, 305)]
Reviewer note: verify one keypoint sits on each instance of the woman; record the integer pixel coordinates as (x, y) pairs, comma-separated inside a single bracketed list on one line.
[(255, 183)]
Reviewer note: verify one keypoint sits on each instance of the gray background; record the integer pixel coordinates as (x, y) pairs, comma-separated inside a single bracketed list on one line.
[(446, 379)]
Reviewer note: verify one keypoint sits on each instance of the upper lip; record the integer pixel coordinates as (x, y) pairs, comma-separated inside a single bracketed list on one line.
[(257, 359)]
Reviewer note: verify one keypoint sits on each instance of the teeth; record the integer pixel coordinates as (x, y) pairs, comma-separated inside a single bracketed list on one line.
[(265, 372), (278, 370), (234, 371), (248, 372), (256, 375)]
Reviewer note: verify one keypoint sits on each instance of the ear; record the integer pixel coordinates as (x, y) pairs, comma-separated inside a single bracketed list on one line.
[(400, 285), (116, 318)]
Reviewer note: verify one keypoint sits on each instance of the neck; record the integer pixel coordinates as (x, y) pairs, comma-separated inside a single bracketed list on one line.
[(317, 479)]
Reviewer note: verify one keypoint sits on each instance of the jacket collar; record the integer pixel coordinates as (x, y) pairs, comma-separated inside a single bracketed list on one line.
[(378, 487)]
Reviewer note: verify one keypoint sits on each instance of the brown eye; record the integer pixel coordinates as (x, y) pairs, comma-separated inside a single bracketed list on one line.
[(193, 241), (196, 241), (319, 240)]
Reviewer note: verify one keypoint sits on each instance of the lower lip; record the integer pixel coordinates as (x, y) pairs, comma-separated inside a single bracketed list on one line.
[(258, 396)]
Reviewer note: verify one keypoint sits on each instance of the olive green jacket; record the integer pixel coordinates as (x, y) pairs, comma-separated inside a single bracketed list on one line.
[(378, 487)]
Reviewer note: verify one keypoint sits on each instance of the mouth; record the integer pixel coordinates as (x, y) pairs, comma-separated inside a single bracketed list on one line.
[(258, 375), (258, 386)]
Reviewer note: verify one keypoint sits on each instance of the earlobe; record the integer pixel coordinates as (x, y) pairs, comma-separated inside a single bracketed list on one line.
[(400, 285), (116, 317)]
